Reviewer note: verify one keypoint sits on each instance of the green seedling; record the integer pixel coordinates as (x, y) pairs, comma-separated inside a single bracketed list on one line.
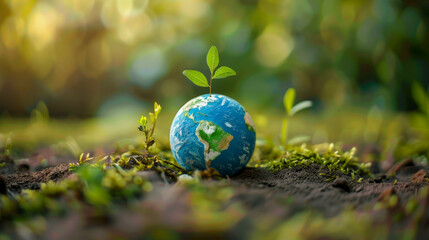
[(6, 159), (421, 97), (83, 158), (419, 121), (7, 147), (148, 132), (199, 79), (40, 114), (291, 110)]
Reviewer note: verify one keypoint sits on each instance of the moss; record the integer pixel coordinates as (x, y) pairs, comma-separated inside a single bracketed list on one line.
[(91, 185), (328, 156), (164, 162)]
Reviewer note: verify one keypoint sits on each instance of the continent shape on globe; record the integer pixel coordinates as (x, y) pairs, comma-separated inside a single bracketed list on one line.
[(214, 131)]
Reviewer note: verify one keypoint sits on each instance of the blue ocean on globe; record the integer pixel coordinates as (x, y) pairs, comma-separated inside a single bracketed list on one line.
[(213, 131)]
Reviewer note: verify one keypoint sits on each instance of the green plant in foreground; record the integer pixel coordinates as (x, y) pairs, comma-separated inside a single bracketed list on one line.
[(333, 160), (134, 159), (291, 110), (199, 79), (91, 186), (6, 158), (7, 147), (148, 132), (86, 158)]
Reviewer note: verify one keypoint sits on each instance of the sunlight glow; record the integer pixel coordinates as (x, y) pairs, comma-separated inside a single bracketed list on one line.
[(273, 46)]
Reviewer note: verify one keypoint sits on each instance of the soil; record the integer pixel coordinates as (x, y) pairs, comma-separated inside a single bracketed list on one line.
[(257, 187), (262, 192), (27, 179), (311, 190)]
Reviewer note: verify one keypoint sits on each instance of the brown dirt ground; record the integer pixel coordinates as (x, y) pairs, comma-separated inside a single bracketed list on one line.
[(312, 190), (261, 191), (32, 180), (256, 187)]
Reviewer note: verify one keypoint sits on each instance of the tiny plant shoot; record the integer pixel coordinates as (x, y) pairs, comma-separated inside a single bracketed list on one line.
[(199, 79), (148, 132), (291, 110)]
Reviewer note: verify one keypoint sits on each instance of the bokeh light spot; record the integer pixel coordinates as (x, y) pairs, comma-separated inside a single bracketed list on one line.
[(384, 11), (125, 7), (192, 47), (147, 66), (134, 29), (119, 112), (369, 35), (110, 16), (121, 105), (193, 8), (95, 59), (273, 46), (12, 31), (42, 24), (410, 19), (302, 14), (237, 36)]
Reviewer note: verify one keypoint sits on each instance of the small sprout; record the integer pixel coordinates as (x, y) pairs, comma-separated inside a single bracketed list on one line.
[(199, 79), (73, 166), (288, 99), (152, 117), (331, 147), (291, 110), (84, 158), (300, 106), (421, 97), (142, 121), (157, 109), (7, 147), (148, 132)]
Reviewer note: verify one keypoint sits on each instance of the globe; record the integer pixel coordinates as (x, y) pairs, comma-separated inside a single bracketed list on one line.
[(213, 131)]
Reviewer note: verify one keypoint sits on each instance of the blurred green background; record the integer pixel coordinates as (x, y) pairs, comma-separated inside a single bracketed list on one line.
[(83, 71)]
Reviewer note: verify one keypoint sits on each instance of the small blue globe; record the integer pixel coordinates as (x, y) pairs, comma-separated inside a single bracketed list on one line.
[(213, 131)]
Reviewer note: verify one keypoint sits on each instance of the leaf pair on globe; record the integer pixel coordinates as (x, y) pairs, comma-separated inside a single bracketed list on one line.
[(199, 79)]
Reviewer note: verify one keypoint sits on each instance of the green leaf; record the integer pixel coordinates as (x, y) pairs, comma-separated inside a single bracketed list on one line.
[(224, 72), (143, 121), (284, 130), (300, 106), (212, 59), (421, 96), (299, 140), (157, 109), (288, 99), (152, 117), (196, 77)]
